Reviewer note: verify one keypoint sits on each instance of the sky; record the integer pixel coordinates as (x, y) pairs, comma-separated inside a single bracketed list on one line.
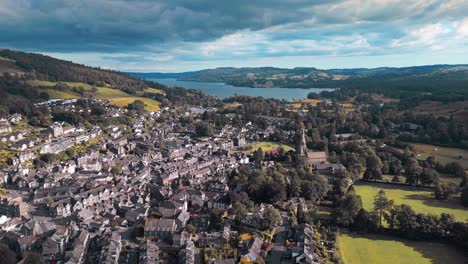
[(185, 35)]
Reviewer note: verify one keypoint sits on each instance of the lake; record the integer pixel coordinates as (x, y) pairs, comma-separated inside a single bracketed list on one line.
[(225, 90)]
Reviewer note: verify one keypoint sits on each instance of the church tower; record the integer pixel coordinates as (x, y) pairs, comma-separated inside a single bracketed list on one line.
[(301, 147)]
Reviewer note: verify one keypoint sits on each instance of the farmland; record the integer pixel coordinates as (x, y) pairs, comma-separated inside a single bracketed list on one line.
[(382, 249), (442, 154), (422, 201), (265, 146), (70, 84), (150, 104), (116, 97), (444, 178)]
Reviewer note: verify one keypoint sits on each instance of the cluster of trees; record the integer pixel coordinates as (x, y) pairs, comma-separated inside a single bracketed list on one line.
[(18, 97), (242, 205), (410, 89), (270, 185), (204, 129), (256, 106), (376, 120), (400, 220), (432, 130), (50, 69)]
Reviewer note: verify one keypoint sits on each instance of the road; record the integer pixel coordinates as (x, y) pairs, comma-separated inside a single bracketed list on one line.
[(277, 248)]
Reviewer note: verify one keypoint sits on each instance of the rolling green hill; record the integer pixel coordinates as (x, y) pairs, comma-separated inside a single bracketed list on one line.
[(116, 97), (435, 82), (27, 78)]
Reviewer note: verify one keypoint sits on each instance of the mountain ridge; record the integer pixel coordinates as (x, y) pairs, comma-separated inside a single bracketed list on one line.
[(306, 77)]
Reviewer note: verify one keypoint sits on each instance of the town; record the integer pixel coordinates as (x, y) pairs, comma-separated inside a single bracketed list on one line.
[(147, 192), (198, 184)]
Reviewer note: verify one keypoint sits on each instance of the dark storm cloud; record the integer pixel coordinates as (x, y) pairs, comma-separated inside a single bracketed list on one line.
[(141, 34), (94, 25)]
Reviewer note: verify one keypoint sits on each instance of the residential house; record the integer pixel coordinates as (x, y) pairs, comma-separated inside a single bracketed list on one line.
[(252, 249), (160, 228)]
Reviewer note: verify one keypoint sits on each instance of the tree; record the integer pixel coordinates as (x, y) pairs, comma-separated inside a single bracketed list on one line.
[(347, 209), (71, 152), (464, 197), (116, 169), (314, 189), (258, 155), (373, 174), (239, 210), (444, 191), (137, 105), (456, 168), (405, 219), (429, 176), (396, 179), (364, 222), (374, 168), (271, 218), (412, 170), (295, 188), (374, 162), (381, 205), (190, 228), (313, 95), (274, 192), (203, 129)]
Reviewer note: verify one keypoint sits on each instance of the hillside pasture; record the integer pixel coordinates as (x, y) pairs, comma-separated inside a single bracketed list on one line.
[(109, 93), (153, 90), (421, 200), (442, 154), (444, 178), (380, 249), (150, 104), (57, 94), (69, 84), (116, 97)]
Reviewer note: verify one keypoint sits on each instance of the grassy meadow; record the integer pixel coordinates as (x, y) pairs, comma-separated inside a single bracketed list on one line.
[(116, 97), (444, 178), (266, 147), (150, 104), (422, 201), (380, 249), (442, 154)]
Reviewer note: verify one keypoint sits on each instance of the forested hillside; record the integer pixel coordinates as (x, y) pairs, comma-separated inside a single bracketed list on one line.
[(443, 83), (40, 67), (27, 78)]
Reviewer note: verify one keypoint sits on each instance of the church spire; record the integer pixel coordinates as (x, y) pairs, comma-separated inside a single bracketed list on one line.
[(301, 148)]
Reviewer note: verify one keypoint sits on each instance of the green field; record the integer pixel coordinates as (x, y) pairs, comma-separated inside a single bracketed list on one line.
[(442, 154), (56, 94), (69, 84), (150, 104), (109, 93), (153, 90), (377, 249), (267, 146), (444, 178), (422, 201), (116, 97)]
